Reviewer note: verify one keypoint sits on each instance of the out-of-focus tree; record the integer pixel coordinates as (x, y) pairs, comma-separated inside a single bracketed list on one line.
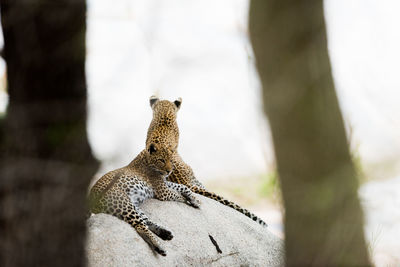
[(323, 218), (45, 159)]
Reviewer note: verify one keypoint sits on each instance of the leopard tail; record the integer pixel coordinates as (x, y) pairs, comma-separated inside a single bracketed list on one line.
[(228, 203)]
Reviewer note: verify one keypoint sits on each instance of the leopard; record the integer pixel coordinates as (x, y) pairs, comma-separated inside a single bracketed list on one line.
[(120, 192), (164, 131)]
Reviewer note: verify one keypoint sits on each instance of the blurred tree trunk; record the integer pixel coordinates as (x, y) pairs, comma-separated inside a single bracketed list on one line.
[(323, 218), (45, 159)]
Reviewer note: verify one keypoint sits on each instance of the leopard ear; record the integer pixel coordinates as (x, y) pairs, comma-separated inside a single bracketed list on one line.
[(153, 100), (152, 148), (178, 103)]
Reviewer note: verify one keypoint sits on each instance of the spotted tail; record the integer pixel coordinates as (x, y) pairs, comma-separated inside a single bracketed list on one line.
[(228, 203)]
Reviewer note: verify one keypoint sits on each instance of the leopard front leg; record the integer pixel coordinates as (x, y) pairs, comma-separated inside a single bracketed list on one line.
[(139, 192), (147, 236), (159, 230), (185, 192), (119, 205)]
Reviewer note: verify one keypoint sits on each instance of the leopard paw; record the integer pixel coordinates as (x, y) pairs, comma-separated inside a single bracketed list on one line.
[(160, 251), (194, 202), (165, 234)]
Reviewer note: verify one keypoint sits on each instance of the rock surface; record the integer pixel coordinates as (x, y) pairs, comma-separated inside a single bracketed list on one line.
[(112, 242)]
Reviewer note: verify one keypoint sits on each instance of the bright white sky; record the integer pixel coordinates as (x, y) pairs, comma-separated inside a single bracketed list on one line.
[(199, 50)]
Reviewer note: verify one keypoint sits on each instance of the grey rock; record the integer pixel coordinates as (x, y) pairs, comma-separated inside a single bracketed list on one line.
[(112, 242)]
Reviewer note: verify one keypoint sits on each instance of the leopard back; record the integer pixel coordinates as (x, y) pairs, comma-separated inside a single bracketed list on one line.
[(163, 129)]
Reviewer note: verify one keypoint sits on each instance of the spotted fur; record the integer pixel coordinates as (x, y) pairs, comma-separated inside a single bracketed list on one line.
[(164, 131), (121, 192)]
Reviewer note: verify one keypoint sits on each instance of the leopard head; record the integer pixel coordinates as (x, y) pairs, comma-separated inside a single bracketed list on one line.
[(159, 159), (164, 108)]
